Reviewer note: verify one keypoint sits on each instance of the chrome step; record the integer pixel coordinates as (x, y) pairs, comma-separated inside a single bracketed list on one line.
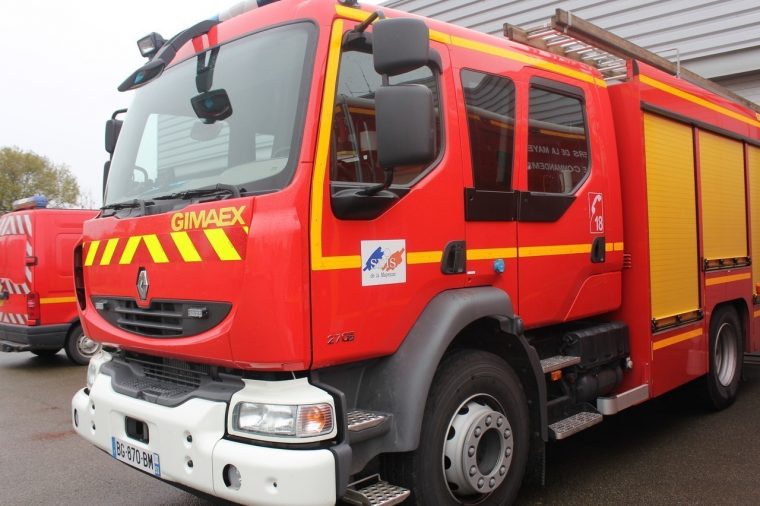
[(558, 362), (380, 493), (362, 420), (574, 424)]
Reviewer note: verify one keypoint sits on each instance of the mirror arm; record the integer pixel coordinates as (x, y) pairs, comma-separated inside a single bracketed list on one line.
[(371, 19), (374, 190)]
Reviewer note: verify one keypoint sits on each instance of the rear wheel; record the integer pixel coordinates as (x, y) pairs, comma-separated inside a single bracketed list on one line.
[(474, 441), (726, 357), (79, 347)]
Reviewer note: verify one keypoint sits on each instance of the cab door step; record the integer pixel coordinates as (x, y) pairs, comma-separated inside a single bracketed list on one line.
[(361, 420), (558, 362), (566, 427), (364, 425), (378, 493)]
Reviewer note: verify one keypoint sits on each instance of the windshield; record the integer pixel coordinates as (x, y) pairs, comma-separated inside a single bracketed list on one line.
[(165, 148)]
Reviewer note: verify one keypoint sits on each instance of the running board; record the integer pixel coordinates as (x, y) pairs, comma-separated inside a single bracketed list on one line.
[(380, 493), (621, 401), (559, 362), (359, 420), (574, 424)]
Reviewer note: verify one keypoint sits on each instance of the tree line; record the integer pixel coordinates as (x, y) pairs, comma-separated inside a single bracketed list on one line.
[(25, 173)]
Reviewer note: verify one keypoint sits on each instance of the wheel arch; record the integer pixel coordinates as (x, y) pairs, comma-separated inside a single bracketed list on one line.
[(454, 319), (742, 311)]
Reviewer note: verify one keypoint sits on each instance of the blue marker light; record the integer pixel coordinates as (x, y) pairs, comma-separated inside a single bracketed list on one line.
[(499, 266)]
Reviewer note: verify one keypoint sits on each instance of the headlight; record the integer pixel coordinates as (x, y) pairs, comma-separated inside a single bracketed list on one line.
[(96, 363), (301, 421)]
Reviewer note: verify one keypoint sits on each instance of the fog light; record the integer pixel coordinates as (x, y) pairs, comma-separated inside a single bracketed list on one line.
[(231, 477)]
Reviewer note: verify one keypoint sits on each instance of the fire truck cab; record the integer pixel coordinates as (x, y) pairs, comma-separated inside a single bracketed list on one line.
[(362, 256), (37, 304)]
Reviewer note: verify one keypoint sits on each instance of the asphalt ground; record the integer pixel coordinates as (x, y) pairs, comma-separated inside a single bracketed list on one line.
[(668, 451)]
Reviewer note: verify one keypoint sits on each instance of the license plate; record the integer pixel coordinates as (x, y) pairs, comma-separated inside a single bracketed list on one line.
[(143, 460)]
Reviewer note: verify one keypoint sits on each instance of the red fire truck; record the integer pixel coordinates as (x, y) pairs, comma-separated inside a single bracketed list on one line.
[(38, 310), (364, 256)]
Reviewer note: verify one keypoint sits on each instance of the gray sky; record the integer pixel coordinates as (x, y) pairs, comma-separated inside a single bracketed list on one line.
[(62, 62)]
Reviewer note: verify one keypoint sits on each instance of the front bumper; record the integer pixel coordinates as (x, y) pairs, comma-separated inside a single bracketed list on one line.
[(269, 476), (23, 338)]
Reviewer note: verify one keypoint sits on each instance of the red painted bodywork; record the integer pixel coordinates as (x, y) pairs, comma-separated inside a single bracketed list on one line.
[(50, 235), (285, 310)]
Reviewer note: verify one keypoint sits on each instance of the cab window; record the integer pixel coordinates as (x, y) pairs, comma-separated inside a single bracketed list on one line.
[(354, 148), (558, 157)]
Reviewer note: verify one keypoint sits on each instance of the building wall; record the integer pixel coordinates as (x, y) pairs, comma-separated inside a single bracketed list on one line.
[(718, 39)]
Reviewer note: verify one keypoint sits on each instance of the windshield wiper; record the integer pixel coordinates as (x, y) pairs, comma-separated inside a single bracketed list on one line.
[(209, 191), (129, 204)]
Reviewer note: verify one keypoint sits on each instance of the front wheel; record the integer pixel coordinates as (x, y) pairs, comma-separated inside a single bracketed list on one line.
[(726, 357), (79, 347), (474, 440)]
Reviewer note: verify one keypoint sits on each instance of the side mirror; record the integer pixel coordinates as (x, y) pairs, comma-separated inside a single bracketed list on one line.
[(113, 128), (400, 45), (405, 125)]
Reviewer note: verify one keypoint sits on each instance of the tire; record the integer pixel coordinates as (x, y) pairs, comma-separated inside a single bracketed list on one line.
[(726, 357), (80, 348), (474, 440), (45, 352)]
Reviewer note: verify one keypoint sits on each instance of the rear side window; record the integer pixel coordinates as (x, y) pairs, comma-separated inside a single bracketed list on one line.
[(354, 144), (490, 104), (558, 157)]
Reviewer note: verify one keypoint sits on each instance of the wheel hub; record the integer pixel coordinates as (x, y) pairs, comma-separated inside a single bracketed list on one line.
[(87, 346), (478, 450)]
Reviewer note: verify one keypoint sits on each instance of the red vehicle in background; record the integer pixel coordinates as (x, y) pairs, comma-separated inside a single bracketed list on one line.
[(362, 256), (38, 310)]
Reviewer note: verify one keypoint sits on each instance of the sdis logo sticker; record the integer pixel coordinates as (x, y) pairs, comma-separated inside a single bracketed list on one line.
[(383, 262)]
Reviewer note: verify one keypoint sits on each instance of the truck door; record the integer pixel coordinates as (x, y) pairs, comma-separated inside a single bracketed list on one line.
[(488, 101), (15, 275), (373, 273), (569, 209)]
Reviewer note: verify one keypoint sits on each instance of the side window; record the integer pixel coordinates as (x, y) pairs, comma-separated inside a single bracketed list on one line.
[(490, 104), (354, 146), (558, 157)]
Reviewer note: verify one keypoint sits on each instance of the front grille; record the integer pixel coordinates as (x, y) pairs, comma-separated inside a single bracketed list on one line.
[(163, 318), (168, 381)]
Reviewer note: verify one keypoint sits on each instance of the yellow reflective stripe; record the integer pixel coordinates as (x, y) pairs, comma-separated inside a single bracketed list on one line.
[(185, 247), (155, 249), (561, 249), (676, 339), (619, 246), (129, 250), (108, 252), (91, 252), (424, 257), (727, 279), (318, 262), (527, 60), (358, 15), (338, 263), (697, 100), (57, 300), (221, 244), (491, 253)]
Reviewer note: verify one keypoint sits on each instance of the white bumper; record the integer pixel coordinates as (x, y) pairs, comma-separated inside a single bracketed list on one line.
[(270, 476)]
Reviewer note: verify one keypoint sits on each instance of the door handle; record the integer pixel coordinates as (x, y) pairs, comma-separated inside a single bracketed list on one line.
[(598, 250)]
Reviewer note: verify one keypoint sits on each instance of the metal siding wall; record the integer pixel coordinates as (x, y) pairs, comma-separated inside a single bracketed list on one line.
[(672, 217), (724, 214), (701, 30)]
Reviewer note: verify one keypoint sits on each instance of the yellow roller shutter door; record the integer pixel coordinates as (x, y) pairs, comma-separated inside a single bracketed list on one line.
[(754, 192), (724, 214), (671, 204)]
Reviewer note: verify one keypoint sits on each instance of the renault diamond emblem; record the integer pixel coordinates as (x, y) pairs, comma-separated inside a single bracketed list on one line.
[(142, 283)]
